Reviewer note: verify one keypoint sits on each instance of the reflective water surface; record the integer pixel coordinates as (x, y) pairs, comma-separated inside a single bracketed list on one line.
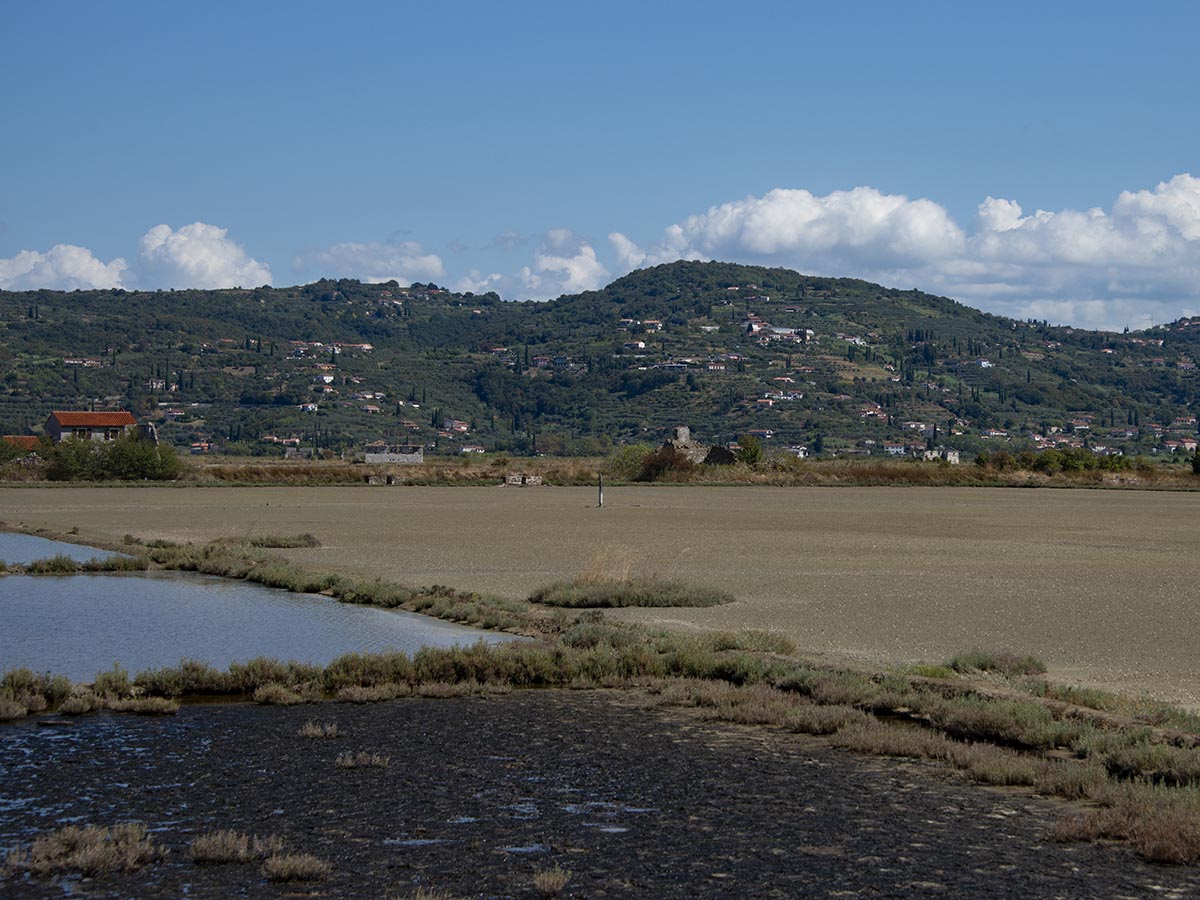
[(78, 625), (23, 549)]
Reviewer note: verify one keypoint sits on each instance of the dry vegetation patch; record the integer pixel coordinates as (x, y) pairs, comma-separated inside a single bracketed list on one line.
[(145, 706), (273, 541), (78, 704), (550, 882), (649, 592), (90, 850), (1162, 825), (275, 694), (1002, 662), (11, 709), (227, 846), (318, 730), (288, 867), (607, 582), (356, 693), (362, 760)]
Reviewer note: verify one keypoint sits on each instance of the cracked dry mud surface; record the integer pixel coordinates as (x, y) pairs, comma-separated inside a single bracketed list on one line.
[(480, 794)]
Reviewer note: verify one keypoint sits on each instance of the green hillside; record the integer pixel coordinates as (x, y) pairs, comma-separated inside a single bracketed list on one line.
[(837, 364)]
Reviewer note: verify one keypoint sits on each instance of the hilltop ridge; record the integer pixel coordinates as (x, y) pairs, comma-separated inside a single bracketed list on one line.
[(833, 364)]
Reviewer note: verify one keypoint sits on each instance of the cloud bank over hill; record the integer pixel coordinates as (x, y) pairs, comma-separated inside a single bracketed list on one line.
[(404, 262), (844, 229), (564, 263), (1136, 264), (195, 256), (64, 267)]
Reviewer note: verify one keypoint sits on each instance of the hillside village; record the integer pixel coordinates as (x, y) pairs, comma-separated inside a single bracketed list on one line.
[(806, 365)]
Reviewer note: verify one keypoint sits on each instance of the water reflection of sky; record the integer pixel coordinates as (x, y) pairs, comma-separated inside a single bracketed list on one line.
[(23, 549), (78, 625)]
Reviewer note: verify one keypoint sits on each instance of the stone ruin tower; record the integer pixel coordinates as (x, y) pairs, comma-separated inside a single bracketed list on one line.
[(681, 440)]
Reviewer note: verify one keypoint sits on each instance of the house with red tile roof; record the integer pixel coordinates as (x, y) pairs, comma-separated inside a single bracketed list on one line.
[(95, 426)]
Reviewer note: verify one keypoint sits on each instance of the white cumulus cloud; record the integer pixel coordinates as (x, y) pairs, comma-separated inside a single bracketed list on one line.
[(999, 215), (196, 256), (629, 255), (844, 230), (475, 282), (377, 261), (64, 267), (565, 264), (1174, 203), (1136, 265)]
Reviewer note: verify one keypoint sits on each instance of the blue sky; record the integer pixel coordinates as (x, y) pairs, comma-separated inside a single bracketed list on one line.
[(1034, 160)]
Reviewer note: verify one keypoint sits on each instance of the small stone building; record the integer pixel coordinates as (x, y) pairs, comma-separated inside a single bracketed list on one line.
[(681, 440), (941, 453), (95, 426), (401, 456)]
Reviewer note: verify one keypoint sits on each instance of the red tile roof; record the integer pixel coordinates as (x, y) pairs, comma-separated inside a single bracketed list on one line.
[(24, 441), (115, 419)]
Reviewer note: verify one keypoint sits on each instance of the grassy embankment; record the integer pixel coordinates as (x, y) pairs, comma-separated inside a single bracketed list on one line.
[(627, 467), (781, 471), (1134, 764)]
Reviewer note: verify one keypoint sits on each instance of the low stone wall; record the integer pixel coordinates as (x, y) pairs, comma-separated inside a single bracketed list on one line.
[(523, 480)]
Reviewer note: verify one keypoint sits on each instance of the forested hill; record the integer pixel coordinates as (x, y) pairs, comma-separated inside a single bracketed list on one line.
[(837, 364)]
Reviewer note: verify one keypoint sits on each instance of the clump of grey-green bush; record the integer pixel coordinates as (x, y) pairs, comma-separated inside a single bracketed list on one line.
[(128, 458), (999, 662), (251, 564), (62, 564), (586, 650), (59, 564), (116, 563), (611, 593), (275, 694), (274, 541), (23, 692)]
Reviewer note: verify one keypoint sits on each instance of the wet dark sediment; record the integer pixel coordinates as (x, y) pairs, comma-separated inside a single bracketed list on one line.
[(479, 794)]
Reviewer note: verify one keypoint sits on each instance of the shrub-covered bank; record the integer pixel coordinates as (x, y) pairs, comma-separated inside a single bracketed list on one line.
[(640, 463), (987, 714)]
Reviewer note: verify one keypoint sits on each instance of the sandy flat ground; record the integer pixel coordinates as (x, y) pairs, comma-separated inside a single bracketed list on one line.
[(1100, 584)]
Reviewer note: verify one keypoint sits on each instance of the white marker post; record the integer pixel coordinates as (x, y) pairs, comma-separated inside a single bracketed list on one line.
[(600, 502)]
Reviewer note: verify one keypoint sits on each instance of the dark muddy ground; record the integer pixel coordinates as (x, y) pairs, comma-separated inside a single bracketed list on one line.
[(480, 794)]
